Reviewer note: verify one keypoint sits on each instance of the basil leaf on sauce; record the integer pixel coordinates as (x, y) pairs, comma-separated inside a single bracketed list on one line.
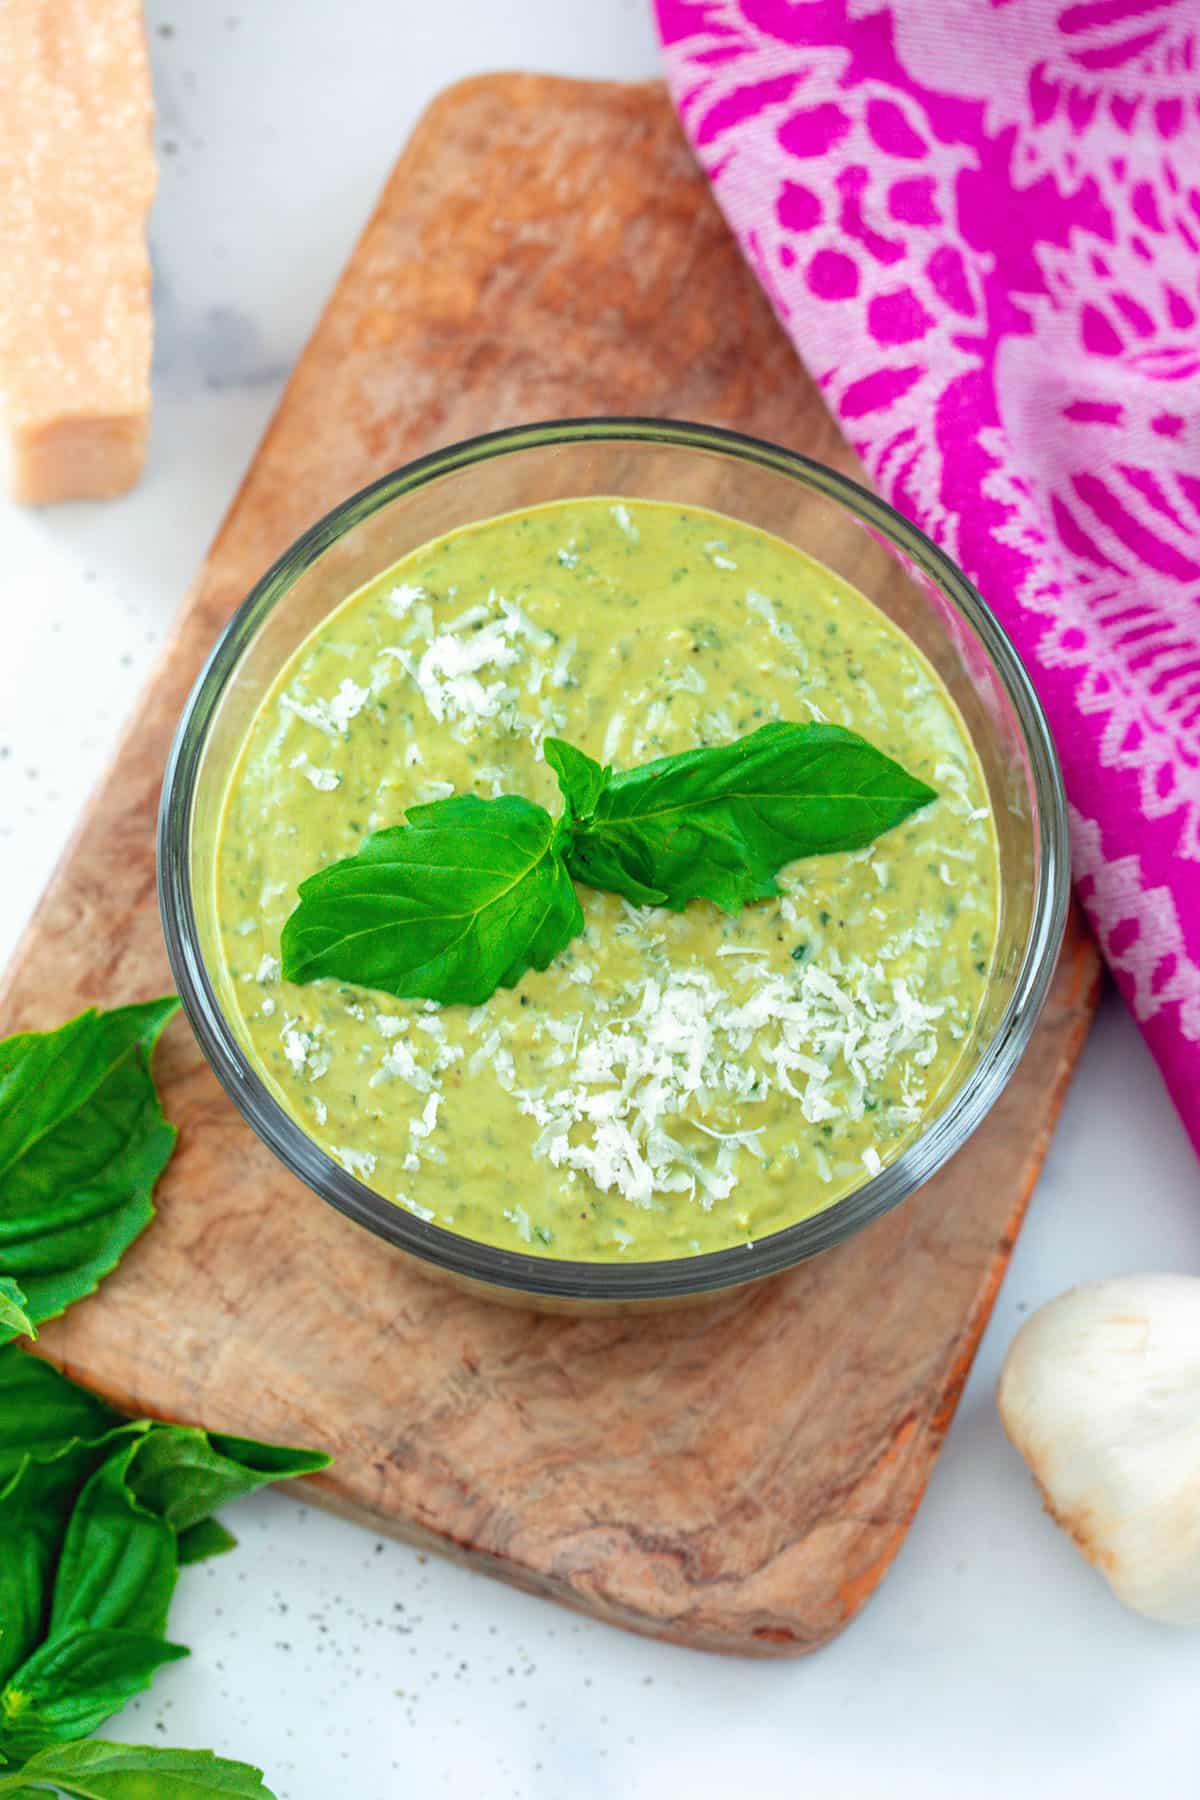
[(719, 823), (82, 1142), (581, 779), (100, 1771), (461, 900)]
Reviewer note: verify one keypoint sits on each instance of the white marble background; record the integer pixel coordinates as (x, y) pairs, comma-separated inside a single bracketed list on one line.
[(992, 1662)]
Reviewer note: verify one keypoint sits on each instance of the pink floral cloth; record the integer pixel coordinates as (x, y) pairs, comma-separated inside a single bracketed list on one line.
[(979, 220)]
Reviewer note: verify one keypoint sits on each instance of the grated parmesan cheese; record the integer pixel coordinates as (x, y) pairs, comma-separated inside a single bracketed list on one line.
[(643, 1082), (422, 1127), (413, 1206), (359, 1163), (304, 1049), (464, 670), (330, 716), (612, 737), (402, 597)]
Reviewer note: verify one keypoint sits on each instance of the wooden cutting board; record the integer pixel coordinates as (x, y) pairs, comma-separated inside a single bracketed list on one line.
[(736, 1477)]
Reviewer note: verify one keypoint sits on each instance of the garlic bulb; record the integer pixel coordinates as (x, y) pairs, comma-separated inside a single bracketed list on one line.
[(1100, 1392)]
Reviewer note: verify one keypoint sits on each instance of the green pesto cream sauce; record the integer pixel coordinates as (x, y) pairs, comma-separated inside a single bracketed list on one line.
[(673, 1083)]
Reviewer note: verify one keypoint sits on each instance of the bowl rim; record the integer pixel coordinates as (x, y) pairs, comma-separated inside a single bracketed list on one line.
[(546, 1278)]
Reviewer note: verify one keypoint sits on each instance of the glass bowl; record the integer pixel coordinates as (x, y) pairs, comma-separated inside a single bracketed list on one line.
[(810, 506)]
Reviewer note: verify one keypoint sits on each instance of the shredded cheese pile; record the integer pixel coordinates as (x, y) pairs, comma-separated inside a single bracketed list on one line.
[(464, 673), (642, 1085)]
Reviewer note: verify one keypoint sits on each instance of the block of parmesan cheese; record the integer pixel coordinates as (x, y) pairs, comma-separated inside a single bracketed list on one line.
[(77, 176)]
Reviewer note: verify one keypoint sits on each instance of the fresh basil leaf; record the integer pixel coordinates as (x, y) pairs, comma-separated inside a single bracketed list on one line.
[(461, 900), (36, 1505), (182, 1474), (90, 1508), (581, 778), (72, 1683), (42, 1412), (82, 1142), (99, 1771), (14, 1320), (200, 1541), (719, 823), (118, 1564), (52, 1437), (33, 1509), (582, 782)]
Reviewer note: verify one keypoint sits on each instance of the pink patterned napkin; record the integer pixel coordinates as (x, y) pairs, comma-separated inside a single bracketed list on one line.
[(979, 220)]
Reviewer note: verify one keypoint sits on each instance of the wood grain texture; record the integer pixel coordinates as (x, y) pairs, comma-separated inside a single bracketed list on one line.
[(736, 1477)]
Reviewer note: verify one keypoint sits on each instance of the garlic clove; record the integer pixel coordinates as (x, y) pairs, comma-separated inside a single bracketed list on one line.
[(1100, 1392)]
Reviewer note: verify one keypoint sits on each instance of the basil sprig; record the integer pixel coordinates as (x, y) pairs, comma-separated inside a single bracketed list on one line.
[(470, 893), (97, 1515), (82, 1142)]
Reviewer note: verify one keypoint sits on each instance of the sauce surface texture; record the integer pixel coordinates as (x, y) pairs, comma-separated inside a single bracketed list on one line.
[(673, 1083)]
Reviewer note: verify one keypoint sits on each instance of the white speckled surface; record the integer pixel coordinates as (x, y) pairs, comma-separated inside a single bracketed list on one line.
[(992, 1662)]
